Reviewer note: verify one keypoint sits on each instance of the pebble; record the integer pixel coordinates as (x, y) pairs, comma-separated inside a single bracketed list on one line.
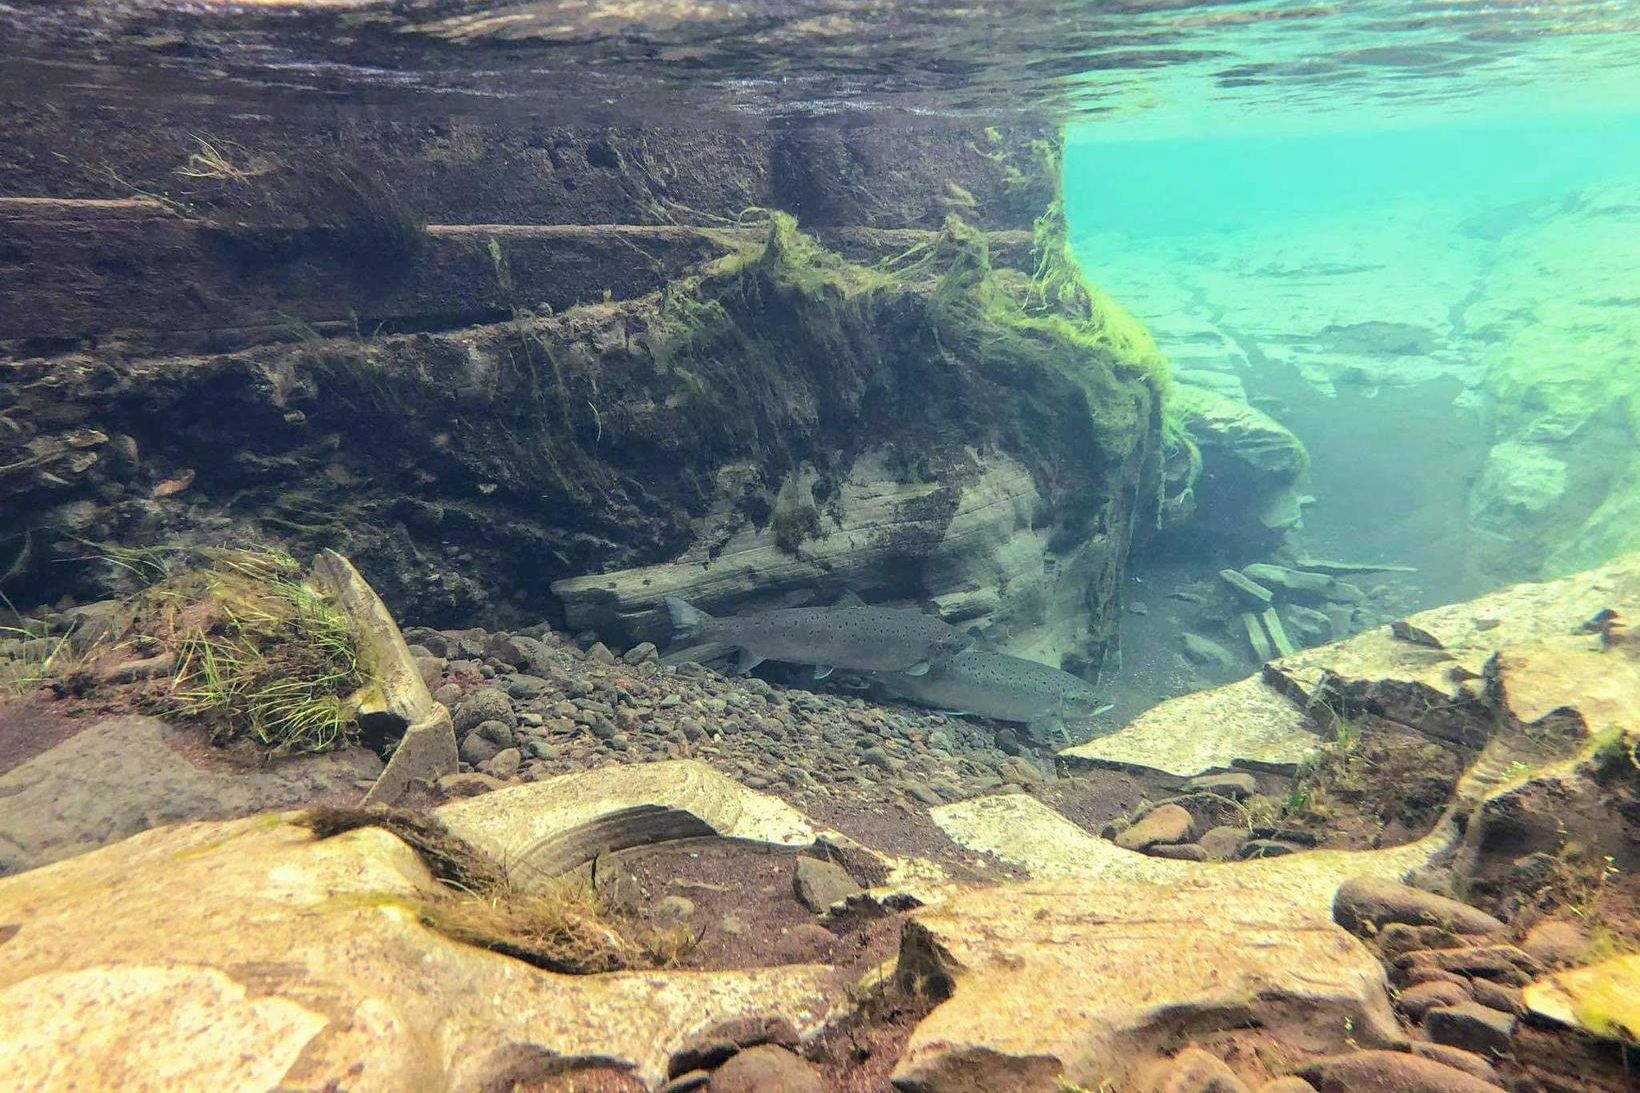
[(672, 909), (504, 764)]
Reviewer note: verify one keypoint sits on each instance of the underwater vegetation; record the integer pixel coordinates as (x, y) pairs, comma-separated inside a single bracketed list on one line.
[(260, 654), (276, 208), (562, 924)]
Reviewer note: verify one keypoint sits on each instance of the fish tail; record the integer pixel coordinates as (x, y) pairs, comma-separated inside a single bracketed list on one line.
[(687, 620)]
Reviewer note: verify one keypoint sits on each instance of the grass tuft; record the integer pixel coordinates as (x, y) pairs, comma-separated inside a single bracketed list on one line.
[(263, 656)]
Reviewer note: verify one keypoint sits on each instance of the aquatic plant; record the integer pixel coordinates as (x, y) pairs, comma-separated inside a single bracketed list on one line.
[(277, 207), (562, 924), (263, 656)]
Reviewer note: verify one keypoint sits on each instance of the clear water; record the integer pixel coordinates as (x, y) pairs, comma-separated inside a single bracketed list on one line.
[(1404, 234)]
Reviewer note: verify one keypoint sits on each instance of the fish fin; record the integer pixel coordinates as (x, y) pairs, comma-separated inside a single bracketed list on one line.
[(748, 661), (1106, 708), (849, 599), (918, 669), (1047, 730), (686, 618), (821, 671)]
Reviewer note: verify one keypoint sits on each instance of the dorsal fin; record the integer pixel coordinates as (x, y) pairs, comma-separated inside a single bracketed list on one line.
[(849, 599)]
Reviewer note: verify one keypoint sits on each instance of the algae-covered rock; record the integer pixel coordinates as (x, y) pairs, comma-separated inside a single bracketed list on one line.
[(1603, 999)]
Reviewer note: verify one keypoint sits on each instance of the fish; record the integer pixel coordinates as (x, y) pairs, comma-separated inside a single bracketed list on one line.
[(986, 683), (874, 639)]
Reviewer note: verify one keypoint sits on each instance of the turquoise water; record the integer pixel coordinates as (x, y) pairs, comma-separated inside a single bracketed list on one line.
[(1117, 182)]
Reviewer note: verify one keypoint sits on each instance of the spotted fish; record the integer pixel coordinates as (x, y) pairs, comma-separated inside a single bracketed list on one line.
[(877, 639), (1004, 688)]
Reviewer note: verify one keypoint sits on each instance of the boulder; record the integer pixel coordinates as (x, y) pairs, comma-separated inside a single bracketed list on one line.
[(1389, 1072), (1251, 464), (1236, 784), (1456, 1058), (1368, 904), (1195, 1071), (1206, 651), (486, 739), (819, 884), (1420, 998)]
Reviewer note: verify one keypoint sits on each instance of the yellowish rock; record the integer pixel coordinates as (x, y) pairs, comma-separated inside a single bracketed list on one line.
[(1603, 999), (248, 955)]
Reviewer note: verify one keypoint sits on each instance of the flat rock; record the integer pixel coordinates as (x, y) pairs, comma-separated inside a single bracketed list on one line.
[(1245, 721), (543, 829), (1177, 851), (1162, 824), (766, 1069), (1365, 906), (1389, 1072), (128, 774), (125, 953), (1471, 1026), (1106, 951)]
